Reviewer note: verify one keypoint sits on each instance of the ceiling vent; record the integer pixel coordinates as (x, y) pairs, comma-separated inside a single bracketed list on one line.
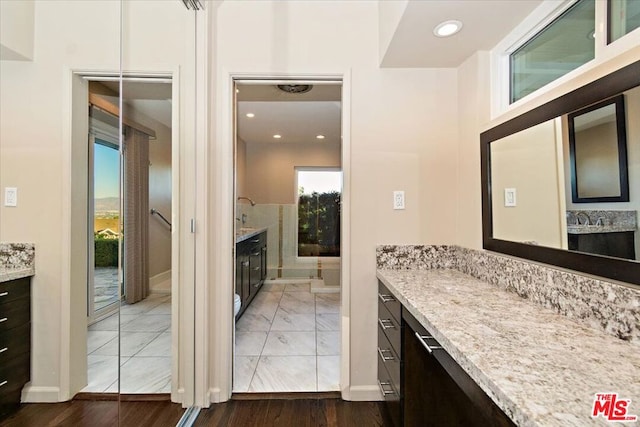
[(295, 89)]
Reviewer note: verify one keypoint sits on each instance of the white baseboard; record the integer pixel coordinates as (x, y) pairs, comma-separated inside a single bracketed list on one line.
[(35, 394), (364, 393), (160, 283)]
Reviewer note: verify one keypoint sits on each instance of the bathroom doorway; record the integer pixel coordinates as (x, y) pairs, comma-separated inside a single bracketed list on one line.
[(288, 190), (130, 236)]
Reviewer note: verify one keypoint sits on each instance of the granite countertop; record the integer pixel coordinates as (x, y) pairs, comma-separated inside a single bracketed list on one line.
[(591, 229), (16, 261), (541, 368), (244, 233)]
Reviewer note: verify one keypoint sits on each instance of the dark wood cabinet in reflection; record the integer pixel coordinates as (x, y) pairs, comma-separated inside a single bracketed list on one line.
[(619, 245), (251, 268)]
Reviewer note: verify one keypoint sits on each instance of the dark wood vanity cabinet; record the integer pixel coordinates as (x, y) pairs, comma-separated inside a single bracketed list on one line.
[(15, 342), (251, 268), (616, 244), (421, 383)]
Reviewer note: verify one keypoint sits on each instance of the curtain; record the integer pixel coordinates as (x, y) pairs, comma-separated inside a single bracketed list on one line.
[(136, 215)]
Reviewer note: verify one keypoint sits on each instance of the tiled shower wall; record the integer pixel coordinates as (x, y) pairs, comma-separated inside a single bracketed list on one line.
[(282, 260)]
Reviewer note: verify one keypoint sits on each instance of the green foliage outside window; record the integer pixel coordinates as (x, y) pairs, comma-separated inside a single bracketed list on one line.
[(319, 224)]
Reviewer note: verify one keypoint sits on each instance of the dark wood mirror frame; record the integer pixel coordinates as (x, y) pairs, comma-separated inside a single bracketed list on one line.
[(621, 135), (606, 87)]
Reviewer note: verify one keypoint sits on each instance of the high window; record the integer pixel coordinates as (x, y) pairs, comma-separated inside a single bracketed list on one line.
[(319, 193), (624, 17), (562, 46)]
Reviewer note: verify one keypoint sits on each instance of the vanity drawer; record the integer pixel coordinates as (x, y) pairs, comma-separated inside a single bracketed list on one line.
[(14, 342), (390, 326), (386, 299), (15, 313), (389, 359), (14, 289), (391, 396)]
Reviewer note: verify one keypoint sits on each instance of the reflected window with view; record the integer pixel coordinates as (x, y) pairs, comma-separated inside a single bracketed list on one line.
[(319, 193), (624, 17), (562, 46)]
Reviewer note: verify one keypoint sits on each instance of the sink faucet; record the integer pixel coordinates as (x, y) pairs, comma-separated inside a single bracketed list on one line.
[(586, 218), (601, 220), (247, 198)]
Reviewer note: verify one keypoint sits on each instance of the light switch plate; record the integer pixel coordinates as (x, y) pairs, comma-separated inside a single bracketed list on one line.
[(398, 200), (10, 196), (509, 197)]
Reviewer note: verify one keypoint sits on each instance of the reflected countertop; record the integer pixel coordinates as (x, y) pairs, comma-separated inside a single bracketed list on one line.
[(245, 233), (592, 229), (541, 368)]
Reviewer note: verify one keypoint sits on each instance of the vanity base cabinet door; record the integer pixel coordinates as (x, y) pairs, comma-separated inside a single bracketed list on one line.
[(618, 244), (437, 391)]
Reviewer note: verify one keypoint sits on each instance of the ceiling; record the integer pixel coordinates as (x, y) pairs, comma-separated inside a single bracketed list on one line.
[(298, 118), (485, 23), (149, 98)]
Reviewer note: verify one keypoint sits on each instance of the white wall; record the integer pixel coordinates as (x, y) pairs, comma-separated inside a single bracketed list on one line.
[(403, 135), (35, 155), (17, 30)]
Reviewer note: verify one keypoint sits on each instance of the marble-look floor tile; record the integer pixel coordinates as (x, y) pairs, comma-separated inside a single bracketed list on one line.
[(250, 343), (290, 344), (159, 347), (164, 308), (148, 323), (328, 343), (254, 322), (297, 287), (130, 344), (102, 371), (298, 302), (107, 324), (328, 322), (285, 321), (270, 286), (328, 303), (146, 375), (243, 369), (328, 373), (97, 339), (145, 305), (285, 374)]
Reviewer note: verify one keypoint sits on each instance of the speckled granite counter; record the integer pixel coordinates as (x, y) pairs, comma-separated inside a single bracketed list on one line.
[(245, 233), (540, 367), (16, 261)]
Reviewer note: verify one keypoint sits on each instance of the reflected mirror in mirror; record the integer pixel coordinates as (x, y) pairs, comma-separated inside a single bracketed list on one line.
[(537, 164), (598, 153)]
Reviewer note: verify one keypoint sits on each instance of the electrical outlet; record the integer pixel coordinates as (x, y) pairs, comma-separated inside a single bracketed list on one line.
[(10, 196), (398, 200), (510, 197)]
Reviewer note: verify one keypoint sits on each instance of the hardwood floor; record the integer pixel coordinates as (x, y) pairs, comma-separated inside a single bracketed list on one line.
[(298, 412)]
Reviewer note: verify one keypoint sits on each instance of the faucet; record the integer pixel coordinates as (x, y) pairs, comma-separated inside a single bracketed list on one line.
[(586, 218), (601, 220), (247, 198)]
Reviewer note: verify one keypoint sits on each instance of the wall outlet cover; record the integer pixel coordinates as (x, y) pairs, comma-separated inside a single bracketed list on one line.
[(509, 197), (11, 196), (398, 200)]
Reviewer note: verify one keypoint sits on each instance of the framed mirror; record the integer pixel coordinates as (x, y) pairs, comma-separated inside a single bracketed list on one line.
[(598, 153), (527, 205)]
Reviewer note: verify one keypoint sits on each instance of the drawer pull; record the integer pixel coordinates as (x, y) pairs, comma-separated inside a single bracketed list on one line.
[(428, 347), (255, 254), (385, 298), (2, 350), (257, 285), (245, 263), (256, 268), (255, 241), (4, 294), (384, 358), (4, 319), (3, 383), (388, 391), (386, 324)]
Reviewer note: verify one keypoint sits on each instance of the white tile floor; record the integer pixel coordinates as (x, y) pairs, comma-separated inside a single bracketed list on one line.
[(145, 349), (288, 340)]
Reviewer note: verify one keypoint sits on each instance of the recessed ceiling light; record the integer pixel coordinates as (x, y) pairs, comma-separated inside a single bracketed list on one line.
[(320, 136), (447, 28), (251, 115), (276, 136)]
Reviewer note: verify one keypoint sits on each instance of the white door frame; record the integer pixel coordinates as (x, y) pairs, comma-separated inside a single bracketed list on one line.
[(223, 241)]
